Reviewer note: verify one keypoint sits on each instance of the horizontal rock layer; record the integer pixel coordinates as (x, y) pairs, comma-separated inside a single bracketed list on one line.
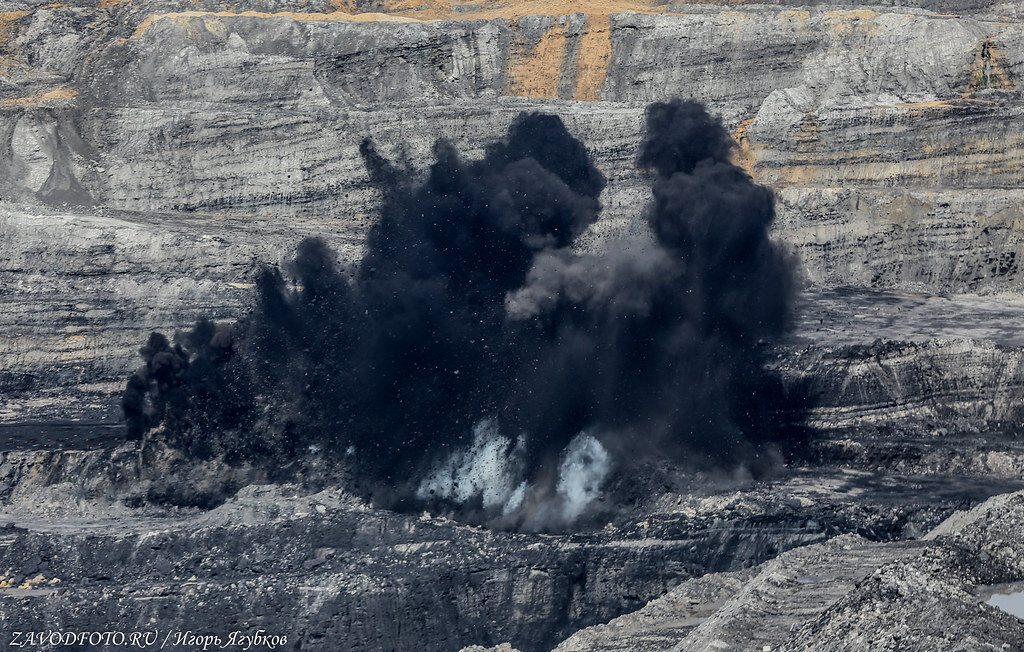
[(814, 94)]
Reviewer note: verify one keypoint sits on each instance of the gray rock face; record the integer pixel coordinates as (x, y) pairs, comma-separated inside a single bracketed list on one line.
[(845, 594), (153, 156), (322, 566), (932, 601), (925, 241), (174, 100), (238, 134)]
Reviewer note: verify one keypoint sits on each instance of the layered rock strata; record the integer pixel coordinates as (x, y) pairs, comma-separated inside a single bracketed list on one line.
[(154, 155)]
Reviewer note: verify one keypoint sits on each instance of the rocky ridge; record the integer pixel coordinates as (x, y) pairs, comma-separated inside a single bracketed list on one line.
[(844, 594)]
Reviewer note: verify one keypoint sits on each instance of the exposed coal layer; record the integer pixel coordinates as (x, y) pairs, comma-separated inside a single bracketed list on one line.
[(470, 306)]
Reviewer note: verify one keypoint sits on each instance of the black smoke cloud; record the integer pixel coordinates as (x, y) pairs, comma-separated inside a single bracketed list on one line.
[(471, 304), (662, 337)]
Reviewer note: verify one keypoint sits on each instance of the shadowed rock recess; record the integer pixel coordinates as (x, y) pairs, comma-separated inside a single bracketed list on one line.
[(162, 161)]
